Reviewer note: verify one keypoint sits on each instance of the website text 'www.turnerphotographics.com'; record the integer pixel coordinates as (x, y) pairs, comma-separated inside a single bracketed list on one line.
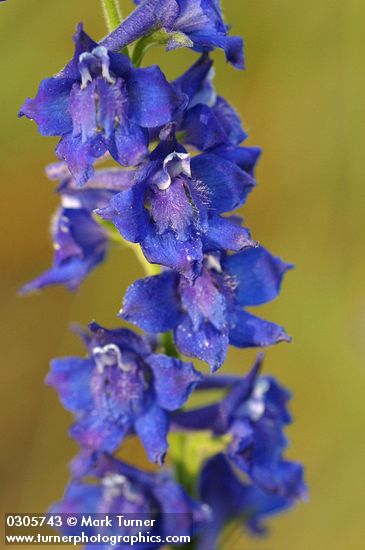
[(109, 529)]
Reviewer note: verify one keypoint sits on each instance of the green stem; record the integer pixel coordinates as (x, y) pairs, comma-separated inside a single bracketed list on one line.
[(112, 13), (169, 345), (113, 17)]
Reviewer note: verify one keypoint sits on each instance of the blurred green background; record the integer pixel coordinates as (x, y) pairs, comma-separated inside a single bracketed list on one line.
[(302, 100)]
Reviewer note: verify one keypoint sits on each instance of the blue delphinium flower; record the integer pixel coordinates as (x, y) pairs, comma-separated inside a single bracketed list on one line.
[(123, 489), (196, 24), (230, 498), (187, 172), (206, 314), (176, 202), (79, 242), (254, 415), (208, 121), (100, 103), (122, 386)]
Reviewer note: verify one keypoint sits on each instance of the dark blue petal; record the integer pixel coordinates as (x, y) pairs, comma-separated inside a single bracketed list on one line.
[(230, 498), (127, 212), (80, 245), (284, 479), (174, 380), (228, 186), (95, 432), (245, 157), (199, 419), (206, 343), (259, 275), (83, 111), (71, 378), (79, 498), (226, 234), (191, 82), (229, 120), (129, 144), (260, 506), (172, 209), (111, 105), (185, 257), (83, 43), (251, 331), (181, 514), (224, 493), (203, 301), (125, 339), (80, 156), (153, 102), (152, 428), (153, 303), (50, 108), (202, 129), (234, 51)]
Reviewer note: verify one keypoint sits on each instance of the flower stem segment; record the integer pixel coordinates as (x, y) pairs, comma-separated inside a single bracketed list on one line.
[(112, 13)]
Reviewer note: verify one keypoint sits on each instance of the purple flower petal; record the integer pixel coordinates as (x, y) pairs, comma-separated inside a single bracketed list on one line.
[(174, 380), (153, 303), (250, 331), (259, 275)]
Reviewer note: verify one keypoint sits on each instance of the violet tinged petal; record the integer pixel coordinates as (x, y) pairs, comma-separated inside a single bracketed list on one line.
[(285, 479), (83, 111), (70, 274), (111, 106), (97, 192), (174, 380), (206, 343), (71, 377), (227, 185), (153, 102), (203, 302), (232, 45), (185, 257), (98, 433), (79, 498), (129, 144), (229, 120), (80, 156), (151, 15), (202, 129), (171, 209), (152, 428), (83, 43), (218, 417), (234, 51), (193, 80), (182, 515), (251, 331), (226, 234), (50, 108), (199, 419), (245, 157), (80, 245), (259, 275), (230, 498), (202, 22), (224, 493), (153, 303), (127, 212)]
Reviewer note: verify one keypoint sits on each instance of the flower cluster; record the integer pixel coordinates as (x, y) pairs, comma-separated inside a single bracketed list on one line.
[(181, 173)]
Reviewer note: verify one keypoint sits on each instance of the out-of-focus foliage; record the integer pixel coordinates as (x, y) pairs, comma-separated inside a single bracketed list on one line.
[(302, 99)]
